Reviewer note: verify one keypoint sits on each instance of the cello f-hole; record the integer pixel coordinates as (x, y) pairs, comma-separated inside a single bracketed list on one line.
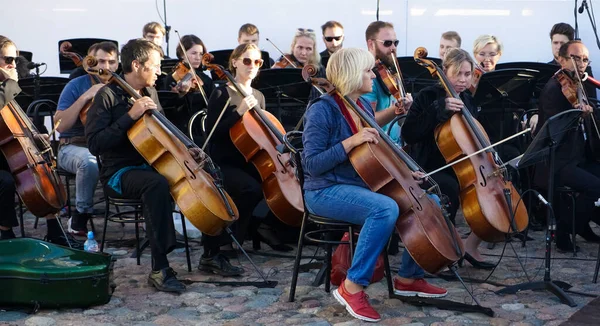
[(483, 177), (187, 166), (419, 207)]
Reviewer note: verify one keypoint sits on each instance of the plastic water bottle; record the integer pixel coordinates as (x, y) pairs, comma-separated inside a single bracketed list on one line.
[(91, 245)]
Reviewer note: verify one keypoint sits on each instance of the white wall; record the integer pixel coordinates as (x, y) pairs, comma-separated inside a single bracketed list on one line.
[(523, 26)]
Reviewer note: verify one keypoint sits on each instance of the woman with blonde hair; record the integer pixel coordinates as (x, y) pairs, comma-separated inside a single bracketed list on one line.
[(333, 188), (487, 50), (303, 51)]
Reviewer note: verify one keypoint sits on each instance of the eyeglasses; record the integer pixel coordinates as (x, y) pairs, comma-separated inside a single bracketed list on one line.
[(578, 59), (248, 62), (306, 30), (388, 43), (10, 60), (487, 55), (331, 38)]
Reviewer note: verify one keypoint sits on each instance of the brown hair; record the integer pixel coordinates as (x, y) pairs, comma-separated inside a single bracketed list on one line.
[(563, 29), (454, 58), (151, 27), (375, 27), (237, 53), (137, 49), (562, 52), (452, 35), (5, 41), (188, 42), (331, 24), (106, 46), (248, 29)]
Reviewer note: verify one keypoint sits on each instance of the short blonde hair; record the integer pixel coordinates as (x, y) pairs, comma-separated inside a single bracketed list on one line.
[(484, 40), (454, 59), (345, 69), (315, 58)]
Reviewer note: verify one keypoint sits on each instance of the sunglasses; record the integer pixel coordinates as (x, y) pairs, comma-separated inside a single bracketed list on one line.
[(388, 43), (331, 38), (305, 30), (9, 60), (248, 62)]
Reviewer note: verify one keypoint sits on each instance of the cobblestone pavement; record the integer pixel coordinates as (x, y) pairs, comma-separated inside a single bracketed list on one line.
[(135, 303)]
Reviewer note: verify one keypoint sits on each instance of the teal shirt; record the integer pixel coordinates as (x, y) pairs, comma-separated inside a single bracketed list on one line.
[(383, 101)]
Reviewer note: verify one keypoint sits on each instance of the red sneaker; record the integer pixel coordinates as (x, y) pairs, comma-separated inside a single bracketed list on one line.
[(357, 304), (419, 288)]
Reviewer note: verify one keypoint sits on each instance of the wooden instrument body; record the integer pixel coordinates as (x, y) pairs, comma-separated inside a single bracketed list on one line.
[(37, 183), (481, 184), (280, 186), (421, 224), (191, 187)]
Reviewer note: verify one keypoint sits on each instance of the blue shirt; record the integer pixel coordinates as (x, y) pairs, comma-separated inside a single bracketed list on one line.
[(72, 91), (324, 159), (383, 101)]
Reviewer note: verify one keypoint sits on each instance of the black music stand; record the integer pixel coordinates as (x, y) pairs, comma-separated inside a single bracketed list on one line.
[(286, 93), (27, 55), (221, 57), (543, 148), (415, 77), (503, 92), (47, 88), (79, 46), (545, 72)]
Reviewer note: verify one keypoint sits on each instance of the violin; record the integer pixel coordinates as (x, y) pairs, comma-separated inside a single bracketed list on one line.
[(31, 162), (286, 61), (198, 194), (184, 72), (78, 61), (257, 135), (427, 234), (488, 200), (477, 73)]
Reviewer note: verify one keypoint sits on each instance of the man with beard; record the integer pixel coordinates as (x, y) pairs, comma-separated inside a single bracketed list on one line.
[(382, 42), (333, 37)]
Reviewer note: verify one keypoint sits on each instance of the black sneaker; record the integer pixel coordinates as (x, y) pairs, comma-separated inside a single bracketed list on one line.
[(77, 224), (165, 280), (219, 264), (63, 240), (7, 234)]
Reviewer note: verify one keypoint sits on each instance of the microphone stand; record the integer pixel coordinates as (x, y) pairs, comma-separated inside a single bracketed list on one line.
[(592, 22), (167, 27), (576, 24), (36, 84)]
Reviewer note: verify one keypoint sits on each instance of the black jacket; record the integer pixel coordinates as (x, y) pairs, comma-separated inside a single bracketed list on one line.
[(426, 113), (106, 130)]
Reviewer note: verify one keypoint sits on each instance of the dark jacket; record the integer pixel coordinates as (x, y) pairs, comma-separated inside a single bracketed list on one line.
[(106, 130), (426, 113), (9, 89)]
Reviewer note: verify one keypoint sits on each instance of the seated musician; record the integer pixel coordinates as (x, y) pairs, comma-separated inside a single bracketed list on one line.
[(124, 172), (574, 166), (155, 33), (9, 88), (432, 107), (195, 100), (382, 42), (333, 37), (560, 34), (449, 40), (333, 188), (303, 51), (249, 33), (73, 154), (80, 71)]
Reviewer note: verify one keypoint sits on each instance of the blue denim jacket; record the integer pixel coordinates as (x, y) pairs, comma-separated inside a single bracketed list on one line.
[(324, 159)]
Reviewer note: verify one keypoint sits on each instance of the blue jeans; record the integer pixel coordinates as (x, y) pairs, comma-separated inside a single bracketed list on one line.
[(82, 163), (376, 213)]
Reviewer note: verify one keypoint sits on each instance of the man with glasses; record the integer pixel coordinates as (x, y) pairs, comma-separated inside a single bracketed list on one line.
[(333, 37), (124, 172), (73, 154), (574, 166), (382, 43)]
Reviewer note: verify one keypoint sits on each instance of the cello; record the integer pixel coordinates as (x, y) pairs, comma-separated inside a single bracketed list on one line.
[(488, 200), (386, 168), (257, 135), (78, 61), (31, 162), (199, 195)]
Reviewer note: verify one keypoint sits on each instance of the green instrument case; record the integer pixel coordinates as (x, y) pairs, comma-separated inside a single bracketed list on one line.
[(38, 273)]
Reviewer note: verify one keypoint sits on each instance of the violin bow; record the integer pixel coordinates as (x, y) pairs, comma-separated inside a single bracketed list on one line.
[(192, 70), (281, 52)]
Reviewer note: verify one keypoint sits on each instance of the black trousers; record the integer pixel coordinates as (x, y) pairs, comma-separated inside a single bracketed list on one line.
[(153, 189), (448, 183), (244, 187), (585, 179), (8, 217)]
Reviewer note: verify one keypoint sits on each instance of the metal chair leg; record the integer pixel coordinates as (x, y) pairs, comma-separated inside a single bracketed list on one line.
[(297, 260)]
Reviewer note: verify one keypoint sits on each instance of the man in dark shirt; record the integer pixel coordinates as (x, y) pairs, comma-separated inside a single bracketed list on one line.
[(573, 165), (560, 34), (124, 172), (333, 37)]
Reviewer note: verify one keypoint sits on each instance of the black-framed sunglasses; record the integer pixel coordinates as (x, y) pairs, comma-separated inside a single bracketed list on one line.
[(9, 60), (248, 62), (306, 30), (331, 38), (388, 43)]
